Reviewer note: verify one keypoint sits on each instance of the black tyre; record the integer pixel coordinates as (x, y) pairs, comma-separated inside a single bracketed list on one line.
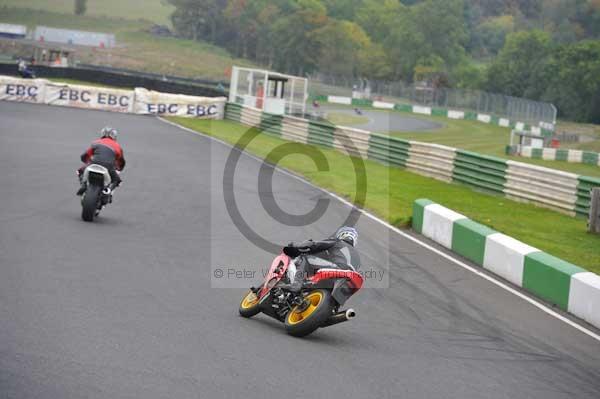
[(301, 321), (249, 306), (89, 203)]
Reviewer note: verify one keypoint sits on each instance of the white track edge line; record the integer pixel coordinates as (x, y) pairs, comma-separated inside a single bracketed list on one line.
[(487, 277)]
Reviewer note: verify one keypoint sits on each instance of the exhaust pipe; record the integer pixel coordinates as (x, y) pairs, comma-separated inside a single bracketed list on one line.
[(340, 317)]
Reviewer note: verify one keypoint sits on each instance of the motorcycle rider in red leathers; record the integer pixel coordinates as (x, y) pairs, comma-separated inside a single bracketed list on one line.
[(105, 152)]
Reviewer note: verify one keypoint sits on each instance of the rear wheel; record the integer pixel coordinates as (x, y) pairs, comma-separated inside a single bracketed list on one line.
[(89, 203), (249, 306), (305, 319)]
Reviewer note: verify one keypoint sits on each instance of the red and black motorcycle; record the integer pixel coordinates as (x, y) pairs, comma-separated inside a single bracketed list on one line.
[(316, 305)]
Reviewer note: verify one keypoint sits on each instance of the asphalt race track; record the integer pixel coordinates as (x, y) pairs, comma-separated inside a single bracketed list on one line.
[(123, 307), (383, 121)]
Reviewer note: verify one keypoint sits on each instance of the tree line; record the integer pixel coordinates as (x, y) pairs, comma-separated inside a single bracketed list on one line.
[(539, 49)]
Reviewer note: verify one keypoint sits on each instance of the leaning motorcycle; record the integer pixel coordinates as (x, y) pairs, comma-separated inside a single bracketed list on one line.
[(97, 193), (316, 305)]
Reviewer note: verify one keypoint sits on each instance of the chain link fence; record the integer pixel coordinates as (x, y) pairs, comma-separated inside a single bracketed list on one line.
[(513, 108)]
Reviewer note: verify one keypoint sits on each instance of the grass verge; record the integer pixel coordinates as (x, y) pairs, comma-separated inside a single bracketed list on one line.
[(391, 192), (157, 11), (484, 139), (136, 48)]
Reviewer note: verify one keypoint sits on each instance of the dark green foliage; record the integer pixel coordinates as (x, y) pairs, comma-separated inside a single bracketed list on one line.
[(530, 66), (520, 67), (526, 48), (80, 7), (573, 76)]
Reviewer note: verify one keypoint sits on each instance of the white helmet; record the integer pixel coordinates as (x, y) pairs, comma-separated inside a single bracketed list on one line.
[(347, 234), (109, 132)]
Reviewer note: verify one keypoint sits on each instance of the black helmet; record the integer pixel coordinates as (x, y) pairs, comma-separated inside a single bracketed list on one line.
[(348, 235)]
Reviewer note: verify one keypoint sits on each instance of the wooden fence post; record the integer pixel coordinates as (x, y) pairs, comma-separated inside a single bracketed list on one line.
[(594, 222)]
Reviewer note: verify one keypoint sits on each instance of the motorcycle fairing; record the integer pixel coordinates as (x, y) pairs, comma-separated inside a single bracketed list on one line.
[(276, 272), (97, 169), (355, 279)]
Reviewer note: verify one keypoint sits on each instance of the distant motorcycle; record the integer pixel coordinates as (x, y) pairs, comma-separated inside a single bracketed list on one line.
[(26, 71), (98, 191), (358, 111), (316, 305)]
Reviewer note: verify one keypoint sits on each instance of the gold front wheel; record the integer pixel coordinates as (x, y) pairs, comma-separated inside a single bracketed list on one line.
[(249, 305)]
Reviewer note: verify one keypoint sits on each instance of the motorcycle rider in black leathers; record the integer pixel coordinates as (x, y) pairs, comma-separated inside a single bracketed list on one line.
[(336, 251)]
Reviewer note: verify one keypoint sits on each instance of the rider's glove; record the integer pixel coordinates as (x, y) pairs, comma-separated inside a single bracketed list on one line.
[(291, 250)]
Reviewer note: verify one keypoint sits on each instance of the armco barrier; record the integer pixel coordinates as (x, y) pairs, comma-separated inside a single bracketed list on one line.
[(554, 280), (251, 117), (233, 112), (320, 133), (270, 124), (139, 101), (351, 141), (480, 171), (565, 192), (388, 150), (432, 160), (548, 187), (294, 129), (584, 197)]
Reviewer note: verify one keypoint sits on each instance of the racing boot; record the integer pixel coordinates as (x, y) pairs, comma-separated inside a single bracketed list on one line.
[(82, 189)]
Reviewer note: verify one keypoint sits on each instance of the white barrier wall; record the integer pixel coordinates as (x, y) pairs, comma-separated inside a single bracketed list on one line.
[(456, 114), (438, 224), (13, 31), (339, 100), (383, 105), (138, 101), (584, 297), (504, 122), (89, 97), (417, 109), (157, 103), (484, 118), (22, 90)]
